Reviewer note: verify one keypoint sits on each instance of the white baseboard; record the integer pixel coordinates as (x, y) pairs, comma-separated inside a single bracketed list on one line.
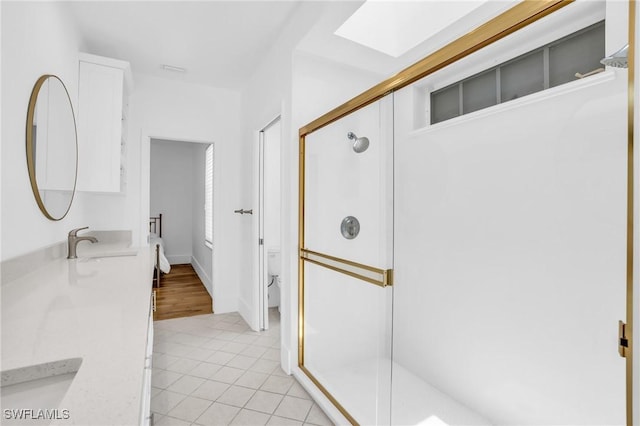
[(178, 259), (285, 359), (247, 313), (202, 274)]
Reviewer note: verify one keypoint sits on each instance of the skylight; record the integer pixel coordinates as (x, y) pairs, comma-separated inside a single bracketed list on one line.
[(395, 27)]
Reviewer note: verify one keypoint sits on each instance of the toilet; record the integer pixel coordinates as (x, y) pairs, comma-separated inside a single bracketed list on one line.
[(273, 270), (273, 263)]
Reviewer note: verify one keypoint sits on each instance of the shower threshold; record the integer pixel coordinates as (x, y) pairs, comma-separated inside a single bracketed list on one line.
[(362, 388)]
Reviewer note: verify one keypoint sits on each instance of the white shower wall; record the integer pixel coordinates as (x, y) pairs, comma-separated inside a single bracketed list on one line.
[(341, 183), (510, 253)]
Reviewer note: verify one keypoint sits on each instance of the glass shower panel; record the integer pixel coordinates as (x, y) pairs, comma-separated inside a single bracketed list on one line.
[(341, 182), (348, 254), (509, 261), (347, 342)]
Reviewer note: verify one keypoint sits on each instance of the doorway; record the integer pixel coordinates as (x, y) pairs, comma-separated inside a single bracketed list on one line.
[(269, 241), (180, 185)]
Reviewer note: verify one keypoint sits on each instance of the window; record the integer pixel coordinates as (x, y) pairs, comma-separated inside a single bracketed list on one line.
[(208, 197), (548, 66)]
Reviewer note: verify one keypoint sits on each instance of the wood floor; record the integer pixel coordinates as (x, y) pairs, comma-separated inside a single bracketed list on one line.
[(181, 294)]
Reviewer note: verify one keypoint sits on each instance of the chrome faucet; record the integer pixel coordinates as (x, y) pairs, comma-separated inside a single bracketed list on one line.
[(73, 240)]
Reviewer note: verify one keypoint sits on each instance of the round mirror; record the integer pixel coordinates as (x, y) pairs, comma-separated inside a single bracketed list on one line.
[(52, 147)]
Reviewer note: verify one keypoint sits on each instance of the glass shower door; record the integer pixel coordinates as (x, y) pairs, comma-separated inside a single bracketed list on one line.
[(346, 256)]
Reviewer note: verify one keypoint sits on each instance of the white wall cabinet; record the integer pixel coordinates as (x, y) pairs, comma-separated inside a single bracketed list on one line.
[(104, 87)]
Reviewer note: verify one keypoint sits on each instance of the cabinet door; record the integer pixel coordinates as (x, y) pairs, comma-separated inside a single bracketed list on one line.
[(99, 127), (145, 411)]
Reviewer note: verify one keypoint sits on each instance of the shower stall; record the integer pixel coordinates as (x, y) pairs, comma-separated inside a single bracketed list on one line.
[(471, 271)]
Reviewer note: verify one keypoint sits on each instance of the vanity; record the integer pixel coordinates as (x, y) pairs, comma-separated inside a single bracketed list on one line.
[(87, 321), (77, 319)]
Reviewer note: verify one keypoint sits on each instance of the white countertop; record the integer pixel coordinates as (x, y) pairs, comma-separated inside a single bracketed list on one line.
[(96, 309)]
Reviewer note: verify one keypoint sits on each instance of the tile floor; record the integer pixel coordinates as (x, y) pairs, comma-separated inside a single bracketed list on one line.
[(214, 370)]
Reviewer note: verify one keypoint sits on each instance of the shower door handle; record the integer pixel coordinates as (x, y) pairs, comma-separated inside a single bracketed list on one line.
[(242, 211)]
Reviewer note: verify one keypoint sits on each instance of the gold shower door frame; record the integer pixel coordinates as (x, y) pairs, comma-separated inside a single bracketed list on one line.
[(514, 19)]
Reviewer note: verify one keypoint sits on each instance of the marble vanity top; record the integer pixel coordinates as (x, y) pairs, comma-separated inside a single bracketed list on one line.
[(95, 308)]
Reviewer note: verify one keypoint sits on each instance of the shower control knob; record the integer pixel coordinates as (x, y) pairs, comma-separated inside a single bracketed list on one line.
[(350, 227)]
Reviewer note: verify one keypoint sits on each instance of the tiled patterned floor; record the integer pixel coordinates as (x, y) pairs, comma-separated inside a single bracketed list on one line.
[(214, 370)]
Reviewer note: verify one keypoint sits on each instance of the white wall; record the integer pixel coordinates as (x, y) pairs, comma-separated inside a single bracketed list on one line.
[(201, 254), (172, 194), (320, 85), (37, 39), (283, 84), (173, 110), (266, 95)]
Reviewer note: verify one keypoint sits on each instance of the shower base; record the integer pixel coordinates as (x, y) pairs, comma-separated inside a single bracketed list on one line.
[(363, 390)]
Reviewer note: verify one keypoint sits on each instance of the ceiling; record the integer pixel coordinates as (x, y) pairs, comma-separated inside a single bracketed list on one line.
[(321, 40), (220, 43)]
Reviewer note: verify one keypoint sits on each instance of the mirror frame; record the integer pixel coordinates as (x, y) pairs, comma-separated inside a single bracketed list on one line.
[(31, 166)]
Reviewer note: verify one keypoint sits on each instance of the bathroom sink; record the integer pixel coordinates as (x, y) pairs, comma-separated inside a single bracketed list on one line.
[(101, 255), (115, 254), (27, 390)]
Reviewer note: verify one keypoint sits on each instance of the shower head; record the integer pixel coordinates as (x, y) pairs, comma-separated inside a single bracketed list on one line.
[(618, 59), (359, 144)]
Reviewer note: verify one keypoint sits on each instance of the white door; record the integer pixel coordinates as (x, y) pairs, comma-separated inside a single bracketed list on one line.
[(268, 219)]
